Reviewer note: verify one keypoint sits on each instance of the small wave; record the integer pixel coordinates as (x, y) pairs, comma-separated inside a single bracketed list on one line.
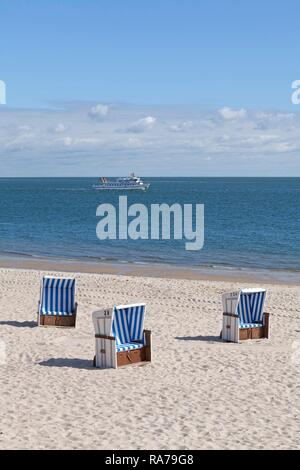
[(73, 189)]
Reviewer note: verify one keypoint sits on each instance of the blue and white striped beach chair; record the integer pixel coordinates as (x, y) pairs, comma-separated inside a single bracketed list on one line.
[(57, 306), (120, 336), (244, 316)]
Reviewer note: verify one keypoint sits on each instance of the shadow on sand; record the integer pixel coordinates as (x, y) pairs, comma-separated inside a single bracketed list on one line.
[(205, 339), (74, 363), (20, 324)]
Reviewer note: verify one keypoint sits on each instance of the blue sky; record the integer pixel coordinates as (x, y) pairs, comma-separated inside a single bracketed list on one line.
[(208, 52), (177, 63)]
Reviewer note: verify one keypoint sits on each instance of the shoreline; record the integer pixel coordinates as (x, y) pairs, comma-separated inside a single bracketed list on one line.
[(165, 271)]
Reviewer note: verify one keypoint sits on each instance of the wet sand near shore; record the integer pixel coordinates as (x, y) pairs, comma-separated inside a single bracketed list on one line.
[(151, 270)]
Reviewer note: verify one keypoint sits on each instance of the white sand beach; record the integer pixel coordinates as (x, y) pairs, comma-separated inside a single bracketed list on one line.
[(198, 393)]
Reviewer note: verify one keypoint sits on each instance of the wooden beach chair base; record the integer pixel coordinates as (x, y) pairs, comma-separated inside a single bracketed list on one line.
[(133, 356), (232, 333), (64, 321), (136, 355), (254, 333)]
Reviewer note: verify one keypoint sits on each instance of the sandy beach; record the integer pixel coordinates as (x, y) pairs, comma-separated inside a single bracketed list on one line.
[(198, 392)]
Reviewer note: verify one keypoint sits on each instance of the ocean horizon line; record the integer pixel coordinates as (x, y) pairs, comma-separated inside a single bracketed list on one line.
[(150, 176)]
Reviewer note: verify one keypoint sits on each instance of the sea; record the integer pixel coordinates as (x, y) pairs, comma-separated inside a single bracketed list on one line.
[(249, 223)]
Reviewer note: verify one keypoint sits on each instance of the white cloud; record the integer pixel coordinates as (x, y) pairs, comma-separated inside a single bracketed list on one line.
[(81, 142), (60, 128), (181, 126), (178, 140), (266, 120), (142, 125), (269, 116), (24, 128), (229, 114), (68, 141), (99, 112)]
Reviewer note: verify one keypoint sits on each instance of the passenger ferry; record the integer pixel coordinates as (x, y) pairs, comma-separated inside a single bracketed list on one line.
[(131, 182)]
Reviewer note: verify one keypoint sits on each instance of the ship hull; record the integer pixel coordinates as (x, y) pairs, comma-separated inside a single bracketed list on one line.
[(104, 187)]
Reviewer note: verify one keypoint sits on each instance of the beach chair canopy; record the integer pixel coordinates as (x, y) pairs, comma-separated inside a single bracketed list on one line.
[(248, 304), (128, 326), (57, 296)]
